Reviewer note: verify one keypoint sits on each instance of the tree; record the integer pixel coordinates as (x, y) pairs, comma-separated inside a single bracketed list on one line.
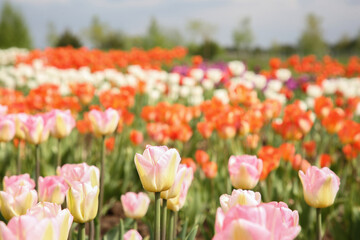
[(243, 36), (13, 29), (154, 36), (198, 28), (97, 32), (51, 35), (68, 39), (311, 40)]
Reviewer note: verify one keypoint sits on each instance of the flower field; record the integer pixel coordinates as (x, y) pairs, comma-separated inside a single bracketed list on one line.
[(141, 145)]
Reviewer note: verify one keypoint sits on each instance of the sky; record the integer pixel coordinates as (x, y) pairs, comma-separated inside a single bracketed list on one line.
[(280, 21)]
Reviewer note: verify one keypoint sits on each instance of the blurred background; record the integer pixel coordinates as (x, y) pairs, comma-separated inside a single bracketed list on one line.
[(214, 29)]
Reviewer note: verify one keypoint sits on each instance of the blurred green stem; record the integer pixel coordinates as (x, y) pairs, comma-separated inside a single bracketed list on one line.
[(121, 230), (81, 232), (157, 216), (318, 223), (101, 194), (163, 219), (18, 159), (59, 153), (37, 170), (172, 223)]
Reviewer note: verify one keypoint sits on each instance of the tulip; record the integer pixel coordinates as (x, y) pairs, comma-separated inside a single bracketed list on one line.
[(135, 205), (201, 157), (245, 171), (27, 228), (157, 167), (7, 129), (241, 197), (132, 234), (82, 200), (52, 189), (18, 180), (136, 137), (265, 221), (3, 110), (80, 172), (210, 169), (19, 120), (104, 123), (61, 123), (320, 186), (176, 187), (36, 129), (17, 200), (61, 219)]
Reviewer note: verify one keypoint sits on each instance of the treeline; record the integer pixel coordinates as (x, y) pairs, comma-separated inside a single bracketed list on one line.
[(198, 38)]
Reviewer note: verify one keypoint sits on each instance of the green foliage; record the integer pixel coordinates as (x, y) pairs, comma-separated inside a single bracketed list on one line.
[(68, 39), (312, 40), (208, 50), (13, 29), (243, 36)]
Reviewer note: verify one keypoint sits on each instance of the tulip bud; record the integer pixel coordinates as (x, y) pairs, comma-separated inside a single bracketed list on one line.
[(157, 167), (176, 203), (242, 197), (61, 123), (135, 205), (7, 129), (52, 189), (35, 129), (320, 186), (27, 228), (82, 200), (61, 219), (16, 201), (176, 187), (245, 171), (132, 235), (79, 172), (18, 180), (104, 123)]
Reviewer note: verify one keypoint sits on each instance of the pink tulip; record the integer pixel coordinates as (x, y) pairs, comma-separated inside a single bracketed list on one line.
[(320, 186), (61, 123), (17, 200), (19, 120), (265, 221), (178, 202), (18, 180), (219, 219), (132, 235), (245, 171), (52, 189), (82, 199), (104, 123), (27, 228), (61, 219), (157, 167), (36, 129), (239, 197), (7, 129), (176, 187), (79, 172), (3, 110), (135, 205)]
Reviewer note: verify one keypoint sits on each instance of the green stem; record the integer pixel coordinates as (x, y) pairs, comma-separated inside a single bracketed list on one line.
[(59, 153), (135, 224), (121, 230), (81, 232), (175, 224), (157, 216), (172, 222), (101, 194), (318, 223), (37, 170), (163, 219), (18, 159), (91, 230)]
